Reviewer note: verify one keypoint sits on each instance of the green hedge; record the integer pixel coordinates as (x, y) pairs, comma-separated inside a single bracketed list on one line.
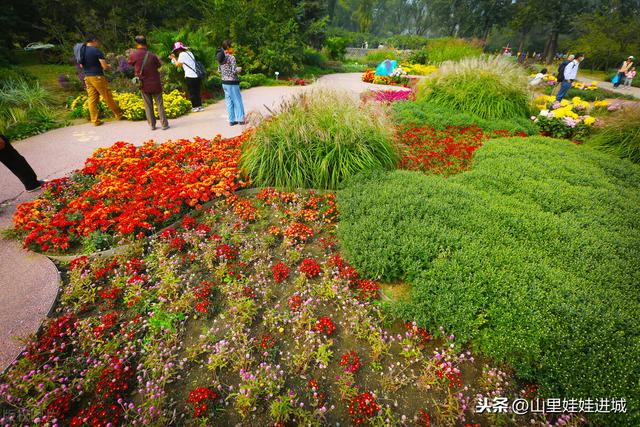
[(421, 113), (534, 255)]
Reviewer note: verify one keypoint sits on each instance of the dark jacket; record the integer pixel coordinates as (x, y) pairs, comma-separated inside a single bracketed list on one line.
[(151, 82)]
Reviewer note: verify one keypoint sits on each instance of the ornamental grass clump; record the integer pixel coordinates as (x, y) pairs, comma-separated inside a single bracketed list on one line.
[(620, 135), (316, 141), (487, 87)]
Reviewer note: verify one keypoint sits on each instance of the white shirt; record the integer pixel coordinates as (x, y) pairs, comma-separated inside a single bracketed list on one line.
[(537, 79), (188, 62), (571, 70)]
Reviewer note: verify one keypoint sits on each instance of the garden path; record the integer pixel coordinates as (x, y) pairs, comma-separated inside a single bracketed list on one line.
[(635, 91), (28, 281)]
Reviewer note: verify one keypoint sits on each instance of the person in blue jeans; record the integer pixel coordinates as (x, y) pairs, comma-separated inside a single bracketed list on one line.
[(570, 74), (230, 83)]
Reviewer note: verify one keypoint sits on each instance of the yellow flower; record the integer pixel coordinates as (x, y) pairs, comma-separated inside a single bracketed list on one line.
[(597, 104), (589, 120)]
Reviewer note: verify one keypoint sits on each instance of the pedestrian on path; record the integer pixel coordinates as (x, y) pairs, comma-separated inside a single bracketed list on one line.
[(94, 65), (622, 71), (629, 76), (146, 65), (560, 74), (187, 61), (18, 165), (569, 74), (230, 83)]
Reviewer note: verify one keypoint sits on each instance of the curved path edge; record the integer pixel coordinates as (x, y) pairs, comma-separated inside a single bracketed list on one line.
[(29, 289)]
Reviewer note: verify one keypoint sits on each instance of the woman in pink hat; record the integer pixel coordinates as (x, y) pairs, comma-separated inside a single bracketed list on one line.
[(187, 61)]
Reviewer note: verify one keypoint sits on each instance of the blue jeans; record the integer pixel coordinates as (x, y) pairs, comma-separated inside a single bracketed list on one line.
[(564, 87), (234, 103)]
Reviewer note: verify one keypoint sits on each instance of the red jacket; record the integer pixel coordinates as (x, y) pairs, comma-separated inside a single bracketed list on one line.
[(151, 82)]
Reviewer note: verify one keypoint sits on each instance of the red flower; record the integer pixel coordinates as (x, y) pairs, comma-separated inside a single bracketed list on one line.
[(324, 324), (280, 272), (363, 407), (310, 267), (199, 398), (295, 302), (368, 290), (424, 420), (351, 361)]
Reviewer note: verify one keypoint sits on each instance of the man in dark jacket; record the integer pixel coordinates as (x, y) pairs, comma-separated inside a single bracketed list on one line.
[(146, 66)]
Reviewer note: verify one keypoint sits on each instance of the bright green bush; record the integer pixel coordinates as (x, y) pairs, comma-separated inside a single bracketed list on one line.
[(336, 48), (378, 55), (487, 87), (316, 141), (422, 114), (438, 51), (620, 135), (534, 255)]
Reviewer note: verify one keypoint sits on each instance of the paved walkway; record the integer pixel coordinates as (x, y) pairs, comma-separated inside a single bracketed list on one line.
[(635, 91), (28, 281)]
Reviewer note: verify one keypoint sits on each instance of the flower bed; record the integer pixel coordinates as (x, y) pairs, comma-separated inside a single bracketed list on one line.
[(125, 191), (398, 78), (132, 106), (444, 151), (389, 96), (565, 119), (225, 320)]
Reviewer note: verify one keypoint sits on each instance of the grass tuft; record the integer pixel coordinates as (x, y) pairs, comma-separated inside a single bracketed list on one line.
[(620, 135), (487, 87), (317, 140)]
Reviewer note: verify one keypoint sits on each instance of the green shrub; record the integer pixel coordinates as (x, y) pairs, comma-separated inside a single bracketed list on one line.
[(490, 88), (336, 48), (438, 51), (253, 80), (378, 55), (407, 41), (620, 135), (314, 58), (421, 113), (533, 255), (316, 141)]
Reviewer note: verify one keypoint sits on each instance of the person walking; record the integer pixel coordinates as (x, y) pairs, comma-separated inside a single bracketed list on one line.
[(570, 73), (230, 83), (622, 71), (629, 76), (93, 66), (187, 61), (560, 74), (18, 166), (146, 65)]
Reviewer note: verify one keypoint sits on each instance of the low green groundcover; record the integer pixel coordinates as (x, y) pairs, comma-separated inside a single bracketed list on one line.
[(534, 255)]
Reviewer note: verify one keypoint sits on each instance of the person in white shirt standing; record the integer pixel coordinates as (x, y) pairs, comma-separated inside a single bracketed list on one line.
[(187, 61), (570, 74)]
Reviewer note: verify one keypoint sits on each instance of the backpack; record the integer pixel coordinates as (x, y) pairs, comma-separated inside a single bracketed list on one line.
[(221, 57), (79, 50), (200, 71), (561, 68)]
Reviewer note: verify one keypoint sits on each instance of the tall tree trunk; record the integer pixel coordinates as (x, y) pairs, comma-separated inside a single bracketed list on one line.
[(553, 46)]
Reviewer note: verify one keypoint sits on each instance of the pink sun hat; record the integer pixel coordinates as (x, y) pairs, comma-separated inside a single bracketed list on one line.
[(179, 45)]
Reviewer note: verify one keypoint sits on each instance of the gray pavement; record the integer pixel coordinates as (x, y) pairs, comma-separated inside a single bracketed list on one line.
[(28, 281)]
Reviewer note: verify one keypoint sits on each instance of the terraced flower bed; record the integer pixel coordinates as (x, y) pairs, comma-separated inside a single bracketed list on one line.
[(246, 314)]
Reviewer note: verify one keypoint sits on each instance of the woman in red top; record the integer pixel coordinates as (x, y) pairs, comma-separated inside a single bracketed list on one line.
[(150, 83)]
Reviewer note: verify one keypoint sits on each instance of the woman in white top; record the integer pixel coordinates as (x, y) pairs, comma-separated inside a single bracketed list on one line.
[(187, 61), (538, 78)]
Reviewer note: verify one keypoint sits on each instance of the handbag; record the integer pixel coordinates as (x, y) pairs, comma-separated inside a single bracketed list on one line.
[(137, 80), (200, 70), (615, 79)]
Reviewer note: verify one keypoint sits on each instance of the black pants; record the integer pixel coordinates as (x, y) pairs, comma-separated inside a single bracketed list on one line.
[(19, 166), (193, 86)]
